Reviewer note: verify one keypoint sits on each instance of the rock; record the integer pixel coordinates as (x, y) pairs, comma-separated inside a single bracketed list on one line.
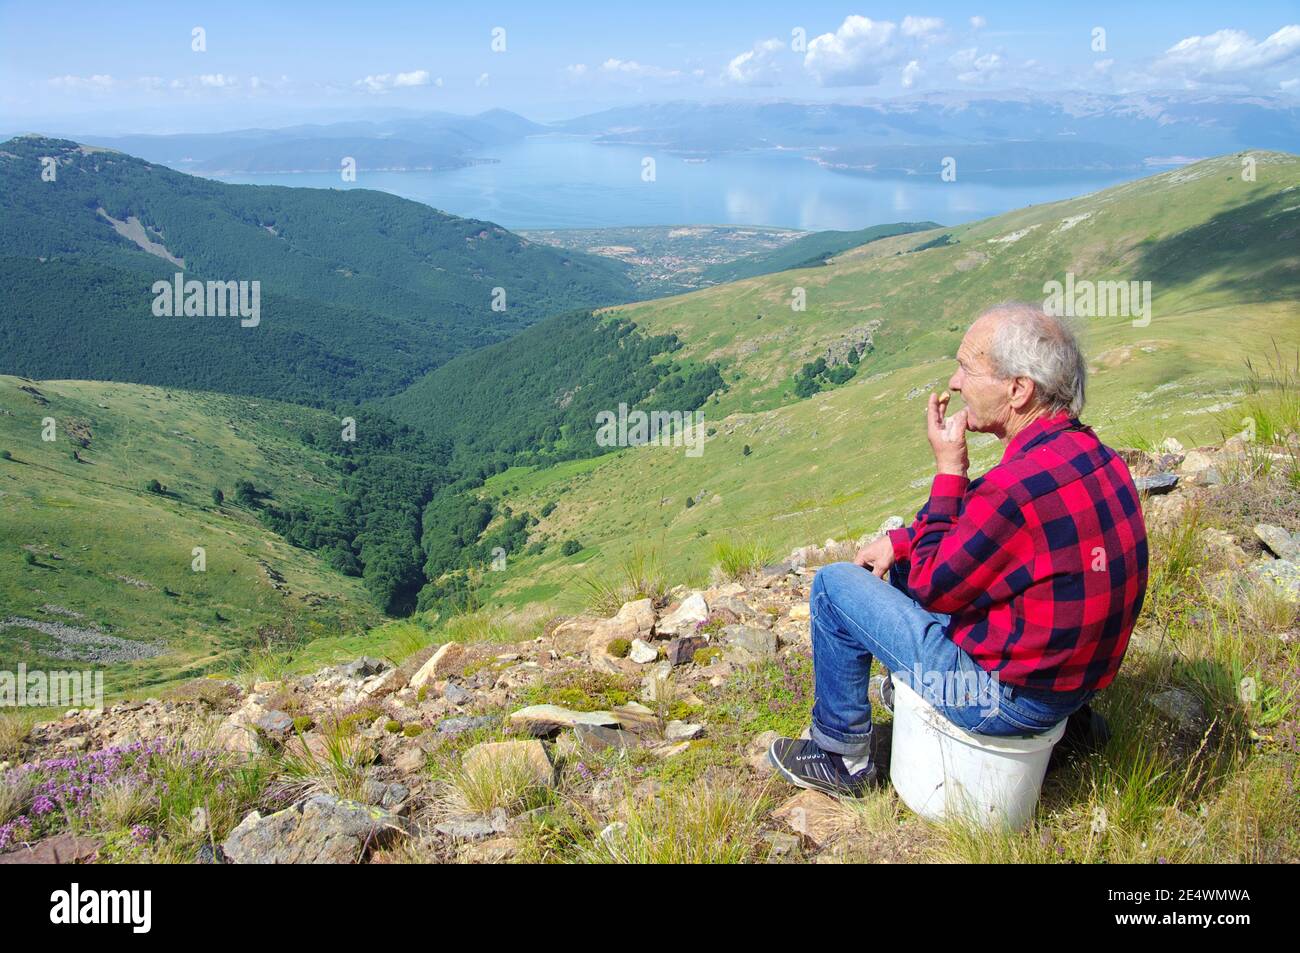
[(1222, 549), (1170, 445), (363, 667), (757, 643), (457, 695), (636, 619), (642, 653), (409, 761), (799, 612), (1182, 707), (322, 829), (473, 826), (636, 717), (595, 738), (1278, 541), (682, 731), (199, 820), (684, 619), (275, 723), (495, 850), (543, 720), (463, 723), (652, 686), (1156, 483), (1195, 462), (756, 752), (782, 848), (683, 648), (813, 815), (891, 523), (445, 657), (238, 733), (502, 756), (65, 848), (1282, 574), (666, 751)]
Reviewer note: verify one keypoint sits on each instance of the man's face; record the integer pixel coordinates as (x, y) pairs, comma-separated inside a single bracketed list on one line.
[(984, 393)]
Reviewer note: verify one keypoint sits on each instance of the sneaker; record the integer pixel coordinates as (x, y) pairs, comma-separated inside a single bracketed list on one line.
[(880, 691), (805, 765)]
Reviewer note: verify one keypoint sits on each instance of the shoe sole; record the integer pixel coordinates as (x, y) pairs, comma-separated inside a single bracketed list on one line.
[(807, 785)]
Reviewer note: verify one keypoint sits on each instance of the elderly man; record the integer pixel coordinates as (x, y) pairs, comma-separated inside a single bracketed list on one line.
[(1020, 587)]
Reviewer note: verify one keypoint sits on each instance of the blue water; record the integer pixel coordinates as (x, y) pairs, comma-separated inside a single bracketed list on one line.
[(562, 182)]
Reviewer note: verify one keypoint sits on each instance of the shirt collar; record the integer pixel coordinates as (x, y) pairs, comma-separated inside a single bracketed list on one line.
[(1037, 431)]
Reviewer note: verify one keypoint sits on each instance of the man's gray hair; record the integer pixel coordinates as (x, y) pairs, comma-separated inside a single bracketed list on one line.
[(1029, 342)]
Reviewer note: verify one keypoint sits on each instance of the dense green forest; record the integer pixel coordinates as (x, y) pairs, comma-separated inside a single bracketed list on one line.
[(535, 398), (362, 292)]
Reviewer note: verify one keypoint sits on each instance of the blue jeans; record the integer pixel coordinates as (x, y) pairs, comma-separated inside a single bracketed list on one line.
[(857, 617)]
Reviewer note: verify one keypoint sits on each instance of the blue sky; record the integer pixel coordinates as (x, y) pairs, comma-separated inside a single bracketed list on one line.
[(123, 66)]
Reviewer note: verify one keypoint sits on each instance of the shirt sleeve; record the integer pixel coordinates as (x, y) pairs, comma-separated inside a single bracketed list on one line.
[(967, 548)]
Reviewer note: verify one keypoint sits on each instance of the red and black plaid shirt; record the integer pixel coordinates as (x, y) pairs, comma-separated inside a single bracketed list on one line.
[(1042, 562)]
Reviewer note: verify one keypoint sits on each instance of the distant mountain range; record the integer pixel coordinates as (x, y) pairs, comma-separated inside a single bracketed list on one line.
[(431, 141), (987, 132)]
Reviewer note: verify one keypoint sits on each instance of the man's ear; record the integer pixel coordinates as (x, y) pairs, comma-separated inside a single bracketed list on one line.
[(1021, 393)]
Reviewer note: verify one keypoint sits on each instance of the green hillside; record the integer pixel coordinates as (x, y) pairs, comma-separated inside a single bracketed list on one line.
[(88, 546), (1222, 258), (361, 292), (808, 251)]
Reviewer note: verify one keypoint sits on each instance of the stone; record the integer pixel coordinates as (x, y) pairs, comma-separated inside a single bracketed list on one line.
[(756, 752), (409, 761), (782, 848), (683, 648), (636, 717), (363, 667), (322, 829), (543, 720), (1222, 550), (1194, 463), (652, 686), (494, 850), (799, 612), (238, 733), (677, 730), (1156, 483), (596, 738), (473, 826), (642, 653), (813, 815), (463, 723), (65, 848), (1182, 707), (445, 657), (891, 523), (456, 695), (1282, 574), (759, 643), (502, 756), (1278, 541), (275, 723), (1170, 445), (683, 620)]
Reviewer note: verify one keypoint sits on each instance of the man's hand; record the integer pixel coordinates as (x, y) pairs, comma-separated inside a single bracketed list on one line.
[(877, 556), (947, 437)]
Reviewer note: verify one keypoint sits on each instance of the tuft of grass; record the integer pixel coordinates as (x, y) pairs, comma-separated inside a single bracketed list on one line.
[(487, 625), (639, 577), (708, 823), (506, 782), (339, 769), (14, 728), (735, 559), (16, 791)]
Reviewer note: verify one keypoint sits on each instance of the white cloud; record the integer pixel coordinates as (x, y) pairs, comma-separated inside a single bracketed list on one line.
[(639, 70), (101, 81), (383, 82), (1227, 52), (975, 68), (217, 80), (482, 79), (854, 54), (760, 66), (922, 27), (978, 22), (911, 72)]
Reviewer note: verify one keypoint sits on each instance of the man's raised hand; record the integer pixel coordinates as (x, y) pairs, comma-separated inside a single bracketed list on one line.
[(947, 436)]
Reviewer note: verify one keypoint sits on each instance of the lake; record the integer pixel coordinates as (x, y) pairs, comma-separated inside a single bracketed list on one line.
[(567, 182)]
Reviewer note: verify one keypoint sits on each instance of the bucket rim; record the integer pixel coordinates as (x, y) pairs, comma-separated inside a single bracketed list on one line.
[(1004, 744)]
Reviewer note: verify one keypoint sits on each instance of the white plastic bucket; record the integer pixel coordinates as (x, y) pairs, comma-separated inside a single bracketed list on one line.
[(942, 771)]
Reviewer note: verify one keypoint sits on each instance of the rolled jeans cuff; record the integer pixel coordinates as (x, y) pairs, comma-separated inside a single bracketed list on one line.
[(851, 746)]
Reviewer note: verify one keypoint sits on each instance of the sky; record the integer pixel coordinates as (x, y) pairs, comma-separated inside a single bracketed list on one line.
[(132, 66)]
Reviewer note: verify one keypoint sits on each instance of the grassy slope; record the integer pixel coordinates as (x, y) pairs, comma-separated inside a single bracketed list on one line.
[(99, 518), (1221, 256)]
